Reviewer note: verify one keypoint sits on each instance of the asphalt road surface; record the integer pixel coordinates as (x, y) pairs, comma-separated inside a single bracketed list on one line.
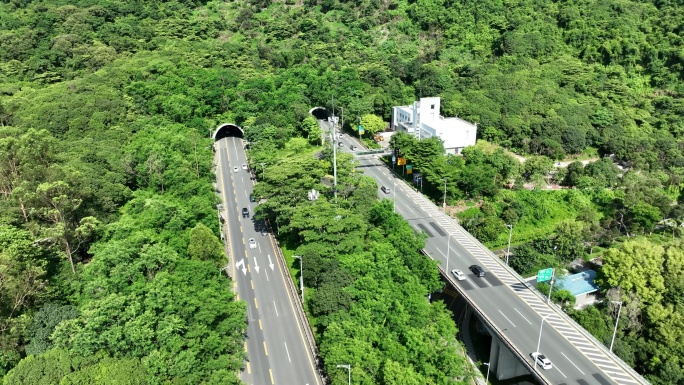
[(276, 349), (515, 310)]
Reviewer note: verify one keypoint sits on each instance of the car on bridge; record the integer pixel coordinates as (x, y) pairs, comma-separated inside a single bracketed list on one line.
[(478, 270), (541, 360), (458, 274)]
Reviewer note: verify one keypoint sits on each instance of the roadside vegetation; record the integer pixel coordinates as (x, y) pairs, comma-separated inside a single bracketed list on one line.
[(367, 283)]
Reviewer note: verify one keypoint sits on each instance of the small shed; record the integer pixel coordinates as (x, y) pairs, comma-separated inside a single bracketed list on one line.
[(581, 285)]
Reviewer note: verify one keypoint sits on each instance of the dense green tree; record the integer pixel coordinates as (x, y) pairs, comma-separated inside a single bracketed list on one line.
[(204, 245), (636, 266), (372, 124), (44, 323)]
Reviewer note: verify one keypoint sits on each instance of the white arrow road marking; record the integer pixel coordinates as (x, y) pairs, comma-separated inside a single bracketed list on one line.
[(256, 265), (242, 263), (270, 263)]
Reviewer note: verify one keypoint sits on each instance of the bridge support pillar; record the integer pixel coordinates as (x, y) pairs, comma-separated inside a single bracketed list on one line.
[(503, 363)]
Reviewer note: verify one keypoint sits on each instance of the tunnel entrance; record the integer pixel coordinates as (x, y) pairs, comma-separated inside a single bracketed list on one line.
[(228, 130), (320, 113)]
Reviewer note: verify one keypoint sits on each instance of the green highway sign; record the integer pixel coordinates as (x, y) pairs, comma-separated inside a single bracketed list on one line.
[(544, 275)]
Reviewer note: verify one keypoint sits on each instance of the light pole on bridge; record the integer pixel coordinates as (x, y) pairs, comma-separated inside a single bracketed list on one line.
[(510, 234)]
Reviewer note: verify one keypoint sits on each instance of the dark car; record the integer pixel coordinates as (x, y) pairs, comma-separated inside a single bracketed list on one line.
[(251, 198), (352, 147), (245, 212), (478, 270)]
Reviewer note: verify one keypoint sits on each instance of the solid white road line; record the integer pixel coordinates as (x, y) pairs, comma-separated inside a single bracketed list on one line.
[(276, 308), (573, 364)]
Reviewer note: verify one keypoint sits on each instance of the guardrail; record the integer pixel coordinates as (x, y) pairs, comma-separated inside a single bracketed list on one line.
[(299, 310)]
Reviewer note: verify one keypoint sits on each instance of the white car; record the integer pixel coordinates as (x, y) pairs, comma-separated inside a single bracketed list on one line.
[(235, 169), (458, 274), (252, 243), (541, 360), (244, 166)]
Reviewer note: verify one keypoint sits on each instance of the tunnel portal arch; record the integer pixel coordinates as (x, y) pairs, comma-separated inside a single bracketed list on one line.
[(320, 113), (228, 129)]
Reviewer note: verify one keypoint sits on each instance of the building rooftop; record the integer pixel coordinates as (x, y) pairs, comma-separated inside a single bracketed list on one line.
[(578, 284)]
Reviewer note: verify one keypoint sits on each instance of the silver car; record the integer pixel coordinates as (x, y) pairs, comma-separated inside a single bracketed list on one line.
[(458, 274)]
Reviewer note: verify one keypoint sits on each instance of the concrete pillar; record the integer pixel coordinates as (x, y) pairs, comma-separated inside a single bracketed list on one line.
[(504, 363)]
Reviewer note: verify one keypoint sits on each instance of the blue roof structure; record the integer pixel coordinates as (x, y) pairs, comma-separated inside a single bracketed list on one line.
[(578, 284)]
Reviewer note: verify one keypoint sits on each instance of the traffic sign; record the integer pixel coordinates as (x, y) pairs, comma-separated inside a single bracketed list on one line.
[(361, 130), (409, 169), (544, 275)]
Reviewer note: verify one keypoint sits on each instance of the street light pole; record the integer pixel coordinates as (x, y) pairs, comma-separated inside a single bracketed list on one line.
[(262, 169), (332, 140), (348, 367), (487, 378), (540, 333), (510, 234), (444, 203), (616, 324), (301, 275)]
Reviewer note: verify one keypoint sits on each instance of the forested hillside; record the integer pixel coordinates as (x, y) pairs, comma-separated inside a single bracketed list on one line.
[(108, 263)]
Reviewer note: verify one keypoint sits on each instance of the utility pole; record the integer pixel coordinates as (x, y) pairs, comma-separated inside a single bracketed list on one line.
[(334, 144), (445, 186), (342, 117), (553, 275), (510, 234), (616, 324), (333, 141)]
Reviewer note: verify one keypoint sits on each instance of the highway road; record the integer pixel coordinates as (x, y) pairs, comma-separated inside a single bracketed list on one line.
[(514, 310), (275, 344)]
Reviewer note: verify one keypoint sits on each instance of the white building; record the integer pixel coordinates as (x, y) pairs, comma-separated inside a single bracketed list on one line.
[(423, 120)]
